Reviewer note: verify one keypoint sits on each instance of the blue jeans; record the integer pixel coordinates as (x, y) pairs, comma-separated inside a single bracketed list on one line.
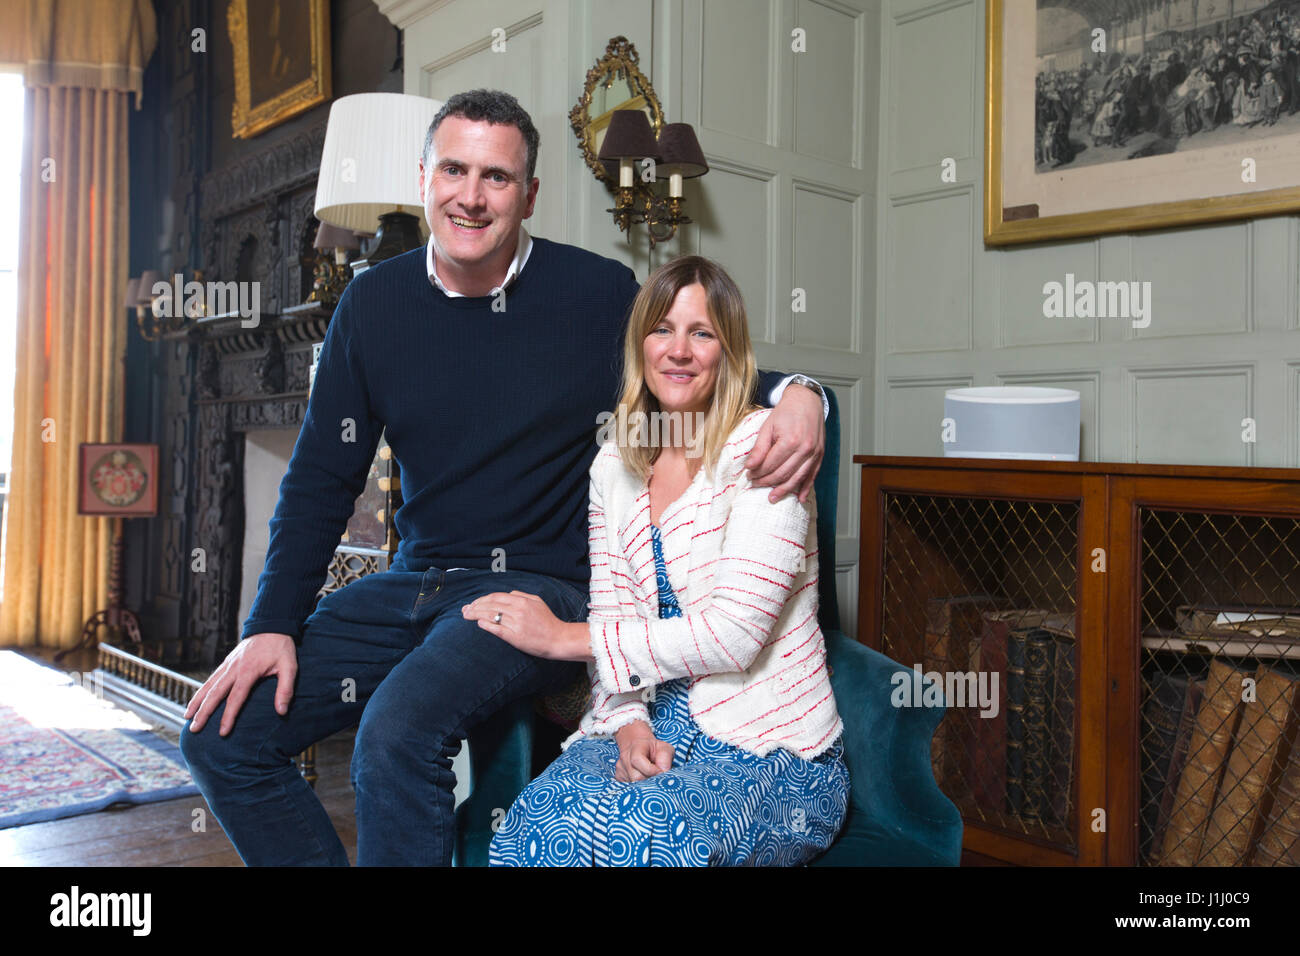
[(390, 654)]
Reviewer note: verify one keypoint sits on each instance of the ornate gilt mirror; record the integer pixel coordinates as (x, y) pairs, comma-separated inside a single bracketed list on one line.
[(614, 83)]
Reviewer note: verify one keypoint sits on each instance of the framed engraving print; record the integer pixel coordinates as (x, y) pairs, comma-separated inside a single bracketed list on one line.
[(1106, 116)]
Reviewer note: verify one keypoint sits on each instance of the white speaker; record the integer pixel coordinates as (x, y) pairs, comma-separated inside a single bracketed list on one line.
[(1011, 421)]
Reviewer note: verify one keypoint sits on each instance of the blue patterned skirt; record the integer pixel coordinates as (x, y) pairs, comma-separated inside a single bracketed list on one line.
[(719, 805)]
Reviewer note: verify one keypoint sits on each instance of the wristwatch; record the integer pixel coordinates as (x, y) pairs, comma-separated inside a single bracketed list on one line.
[(807, 382)]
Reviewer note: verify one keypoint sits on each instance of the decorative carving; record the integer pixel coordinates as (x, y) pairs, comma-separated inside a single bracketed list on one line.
[(284, 413), (282, 168), (220, 533), (212, 253), (270, 368), (274, 222), (208, 384), (302, 267)]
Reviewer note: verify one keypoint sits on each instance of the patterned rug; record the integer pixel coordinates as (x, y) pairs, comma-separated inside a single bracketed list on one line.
[(65, 751)]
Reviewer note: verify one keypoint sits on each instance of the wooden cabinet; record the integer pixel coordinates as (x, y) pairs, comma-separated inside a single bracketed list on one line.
[(1093, 627)]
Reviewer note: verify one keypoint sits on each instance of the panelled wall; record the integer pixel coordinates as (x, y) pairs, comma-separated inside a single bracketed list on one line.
[(791, 140), (1223, 343)]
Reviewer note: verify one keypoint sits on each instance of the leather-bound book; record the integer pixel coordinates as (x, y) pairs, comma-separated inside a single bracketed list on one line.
[(1207, 756), (950, 624), (1030, 659), (945, 745), (1015, 721), (1250, 766), (1167, 721), (1279, 843), (1061, 780), (1040, 678), (985, 760)]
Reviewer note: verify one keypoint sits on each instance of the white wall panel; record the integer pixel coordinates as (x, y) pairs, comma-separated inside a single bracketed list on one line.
[(737, 219), (1200, 280), (930, 104), (1177, 409), (826, 92), (1019, 319), (826, 257), (737, 85), (929, 273)]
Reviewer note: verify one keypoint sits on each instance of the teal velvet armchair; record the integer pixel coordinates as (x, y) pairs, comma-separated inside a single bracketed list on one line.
[(897, 816)]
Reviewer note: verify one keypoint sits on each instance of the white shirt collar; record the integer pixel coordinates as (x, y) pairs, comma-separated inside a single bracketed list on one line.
[(522, 250)]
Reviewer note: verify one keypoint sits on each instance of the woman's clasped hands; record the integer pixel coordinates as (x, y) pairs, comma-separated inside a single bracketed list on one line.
[(640, 753)]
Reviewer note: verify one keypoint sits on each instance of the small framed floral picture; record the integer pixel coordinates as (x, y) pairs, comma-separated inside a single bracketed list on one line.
[(118, 479)]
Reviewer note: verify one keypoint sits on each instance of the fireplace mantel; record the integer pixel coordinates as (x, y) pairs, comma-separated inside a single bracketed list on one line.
[(247, 379)]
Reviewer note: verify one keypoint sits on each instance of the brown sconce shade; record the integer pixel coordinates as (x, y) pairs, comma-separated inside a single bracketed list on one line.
[(629, 136), (132, 297), (679, 148), (335, 237)]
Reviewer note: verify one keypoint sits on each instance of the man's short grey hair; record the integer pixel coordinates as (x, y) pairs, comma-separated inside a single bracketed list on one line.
[(488, 106)]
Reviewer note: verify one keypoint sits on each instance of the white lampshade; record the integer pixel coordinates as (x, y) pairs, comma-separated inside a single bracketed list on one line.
[(369, 165)]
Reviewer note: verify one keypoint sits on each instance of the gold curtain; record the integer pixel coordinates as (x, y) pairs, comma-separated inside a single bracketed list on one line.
[(81, 62), (88, 44)]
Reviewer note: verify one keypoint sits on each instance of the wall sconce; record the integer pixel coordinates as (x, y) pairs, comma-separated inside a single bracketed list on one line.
[(139, 295), (628, 142), (332, 272), (681, 158)]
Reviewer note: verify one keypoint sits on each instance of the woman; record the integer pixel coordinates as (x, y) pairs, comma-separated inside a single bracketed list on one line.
[(712, 736)]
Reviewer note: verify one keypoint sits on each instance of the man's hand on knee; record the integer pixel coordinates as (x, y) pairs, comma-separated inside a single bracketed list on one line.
[(253, 658)]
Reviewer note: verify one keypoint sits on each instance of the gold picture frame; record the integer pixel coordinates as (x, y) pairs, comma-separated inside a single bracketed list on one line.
[(289, 43), (1010, 220)]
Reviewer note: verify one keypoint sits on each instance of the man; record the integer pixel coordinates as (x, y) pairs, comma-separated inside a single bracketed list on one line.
[(487, 357)]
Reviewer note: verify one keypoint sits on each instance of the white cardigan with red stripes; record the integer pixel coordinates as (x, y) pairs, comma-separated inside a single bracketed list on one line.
[(745, 574)]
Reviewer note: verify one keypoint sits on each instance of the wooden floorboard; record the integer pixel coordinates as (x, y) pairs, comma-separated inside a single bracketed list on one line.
[(161, 834), (157, 834)]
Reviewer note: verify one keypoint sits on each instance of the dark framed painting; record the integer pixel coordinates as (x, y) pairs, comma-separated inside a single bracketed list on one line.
[(1107, 116), (282, 60), (117, 479)]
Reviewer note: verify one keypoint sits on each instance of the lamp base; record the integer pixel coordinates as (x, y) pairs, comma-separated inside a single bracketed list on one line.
[(398, 232)]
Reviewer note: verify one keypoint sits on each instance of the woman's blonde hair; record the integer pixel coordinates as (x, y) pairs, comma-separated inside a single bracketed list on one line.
[(737, 377)]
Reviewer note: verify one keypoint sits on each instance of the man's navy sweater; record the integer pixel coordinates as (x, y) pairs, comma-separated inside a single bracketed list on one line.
[(491, 415)]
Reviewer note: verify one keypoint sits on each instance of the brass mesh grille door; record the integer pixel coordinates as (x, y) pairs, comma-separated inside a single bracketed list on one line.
[(1220, 660), (980, 598)]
